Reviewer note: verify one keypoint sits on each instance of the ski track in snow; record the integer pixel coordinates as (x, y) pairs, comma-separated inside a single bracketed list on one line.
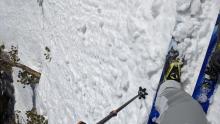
[(102, 51)]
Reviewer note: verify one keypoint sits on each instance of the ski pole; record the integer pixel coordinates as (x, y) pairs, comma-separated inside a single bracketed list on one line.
[(141, 94)]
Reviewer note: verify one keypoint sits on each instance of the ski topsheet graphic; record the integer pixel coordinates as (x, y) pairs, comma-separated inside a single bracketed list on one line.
[(209, 73)]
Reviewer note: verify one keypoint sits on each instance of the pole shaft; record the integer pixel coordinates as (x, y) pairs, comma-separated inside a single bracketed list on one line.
[(115, 112)]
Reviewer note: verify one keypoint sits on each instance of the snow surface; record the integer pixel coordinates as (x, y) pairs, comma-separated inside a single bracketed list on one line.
[(102, 51)]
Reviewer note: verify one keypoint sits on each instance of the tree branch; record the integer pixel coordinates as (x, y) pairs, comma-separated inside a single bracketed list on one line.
[(22, 66)]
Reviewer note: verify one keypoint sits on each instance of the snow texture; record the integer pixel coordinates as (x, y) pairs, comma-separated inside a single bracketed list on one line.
[(102, 51)]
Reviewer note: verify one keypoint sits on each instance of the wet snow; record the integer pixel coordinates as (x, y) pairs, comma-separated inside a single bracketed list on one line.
[(102, 51)]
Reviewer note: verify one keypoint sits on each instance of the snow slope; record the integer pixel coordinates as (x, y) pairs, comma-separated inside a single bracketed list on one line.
[(102, 51)]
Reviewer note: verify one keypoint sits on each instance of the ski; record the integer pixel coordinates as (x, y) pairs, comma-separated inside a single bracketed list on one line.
[(209, 74), (171, 71), (208, 77)]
